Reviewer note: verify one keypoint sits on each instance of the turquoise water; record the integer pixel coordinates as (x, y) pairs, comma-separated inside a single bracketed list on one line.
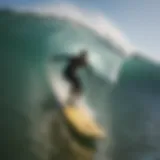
[(122, 94)]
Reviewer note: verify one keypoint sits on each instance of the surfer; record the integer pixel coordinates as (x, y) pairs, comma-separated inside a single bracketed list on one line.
[(70, 74)]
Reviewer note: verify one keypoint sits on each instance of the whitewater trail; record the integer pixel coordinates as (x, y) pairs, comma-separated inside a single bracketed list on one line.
[(33, 81)]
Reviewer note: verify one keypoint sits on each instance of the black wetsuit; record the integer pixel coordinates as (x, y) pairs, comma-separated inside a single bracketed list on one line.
[(70, 72)]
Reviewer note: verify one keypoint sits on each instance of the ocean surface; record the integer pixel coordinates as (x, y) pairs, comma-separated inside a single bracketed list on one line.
[(123, 93)]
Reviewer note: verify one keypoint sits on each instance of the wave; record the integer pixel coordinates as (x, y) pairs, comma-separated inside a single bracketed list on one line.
[(93, 20), (30, 110), (32, 41)]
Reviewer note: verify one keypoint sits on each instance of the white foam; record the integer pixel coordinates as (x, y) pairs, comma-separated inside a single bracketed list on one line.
[(94, 20)]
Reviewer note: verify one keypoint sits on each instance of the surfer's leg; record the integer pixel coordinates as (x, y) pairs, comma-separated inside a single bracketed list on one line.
[(70, 78), (74, 92), (76, 89)]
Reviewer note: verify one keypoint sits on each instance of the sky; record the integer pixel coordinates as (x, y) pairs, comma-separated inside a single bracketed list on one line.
[(138, 19)]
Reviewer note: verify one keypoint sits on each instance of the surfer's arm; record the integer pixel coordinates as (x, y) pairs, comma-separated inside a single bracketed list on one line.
[(61, 57)]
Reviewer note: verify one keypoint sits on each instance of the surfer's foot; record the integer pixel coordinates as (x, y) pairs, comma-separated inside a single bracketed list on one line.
[(70, 102), (73, 100)]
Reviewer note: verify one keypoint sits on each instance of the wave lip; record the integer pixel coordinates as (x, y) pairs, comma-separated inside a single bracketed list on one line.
[(93, 20)]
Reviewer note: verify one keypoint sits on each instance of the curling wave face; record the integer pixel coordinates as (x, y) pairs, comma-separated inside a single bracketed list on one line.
[(29, 108)]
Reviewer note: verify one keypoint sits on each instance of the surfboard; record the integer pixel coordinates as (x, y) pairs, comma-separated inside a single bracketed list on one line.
[(83, 122)]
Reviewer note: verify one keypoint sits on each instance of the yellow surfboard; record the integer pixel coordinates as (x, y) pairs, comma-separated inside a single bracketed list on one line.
[(83, 122)]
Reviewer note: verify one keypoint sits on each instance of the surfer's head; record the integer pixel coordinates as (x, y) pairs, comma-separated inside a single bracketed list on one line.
[(83, 53)]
